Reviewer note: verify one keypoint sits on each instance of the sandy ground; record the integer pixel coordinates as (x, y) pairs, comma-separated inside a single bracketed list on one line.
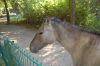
[(51, 55)]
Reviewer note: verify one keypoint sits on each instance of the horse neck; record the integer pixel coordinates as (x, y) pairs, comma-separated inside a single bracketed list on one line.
[(68, 37), (75, 41), (65, 35)]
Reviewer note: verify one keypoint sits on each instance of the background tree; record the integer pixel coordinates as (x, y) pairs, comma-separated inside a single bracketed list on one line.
[(72, 7), (84, 13), (7, 11)]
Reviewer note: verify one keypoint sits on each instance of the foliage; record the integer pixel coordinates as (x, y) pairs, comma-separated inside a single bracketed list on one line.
[(86, 14), (34, 11)]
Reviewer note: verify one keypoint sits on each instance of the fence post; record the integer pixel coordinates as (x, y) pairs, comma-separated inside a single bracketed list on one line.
[(8, 52), (3, 56)]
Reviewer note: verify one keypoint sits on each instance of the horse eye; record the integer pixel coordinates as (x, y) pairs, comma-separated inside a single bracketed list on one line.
[(40, 32)]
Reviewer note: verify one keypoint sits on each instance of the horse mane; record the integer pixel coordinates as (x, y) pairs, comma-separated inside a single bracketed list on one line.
[(66, 24)]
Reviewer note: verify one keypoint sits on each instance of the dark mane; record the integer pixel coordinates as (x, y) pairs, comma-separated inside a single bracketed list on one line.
[(65, 24)]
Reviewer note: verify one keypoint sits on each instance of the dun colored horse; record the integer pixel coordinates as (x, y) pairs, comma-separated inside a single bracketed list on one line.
[(84, 46)]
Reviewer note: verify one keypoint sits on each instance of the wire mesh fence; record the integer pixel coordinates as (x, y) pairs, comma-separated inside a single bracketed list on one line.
[(13, 55)]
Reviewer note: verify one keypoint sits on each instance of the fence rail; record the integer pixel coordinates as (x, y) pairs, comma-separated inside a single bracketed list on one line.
[(13, 55)]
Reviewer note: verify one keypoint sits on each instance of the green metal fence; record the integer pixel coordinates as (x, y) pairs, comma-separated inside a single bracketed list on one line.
[(13, 55)]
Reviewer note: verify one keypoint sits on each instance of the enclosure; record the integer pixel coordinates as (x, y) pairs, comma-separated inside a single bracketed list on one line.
[(32, 14)]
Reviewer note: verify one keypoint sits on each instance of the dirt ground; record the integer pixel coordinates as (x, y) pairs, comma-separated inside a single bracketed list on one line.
[(51, 55)]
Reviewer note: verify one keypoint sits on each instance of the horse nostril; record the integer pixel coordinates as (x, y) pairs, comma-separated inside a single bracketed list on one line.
[(33, 50), (41, 33)]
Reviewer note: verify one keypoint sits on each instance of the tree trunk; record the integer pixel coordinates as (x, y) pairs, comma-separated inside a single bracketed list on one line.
[(7, 12), (72, 11)]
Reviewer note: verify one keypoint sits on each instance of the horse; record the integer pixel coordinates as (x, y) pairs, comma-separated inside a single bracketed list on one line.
[(83, 45)]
